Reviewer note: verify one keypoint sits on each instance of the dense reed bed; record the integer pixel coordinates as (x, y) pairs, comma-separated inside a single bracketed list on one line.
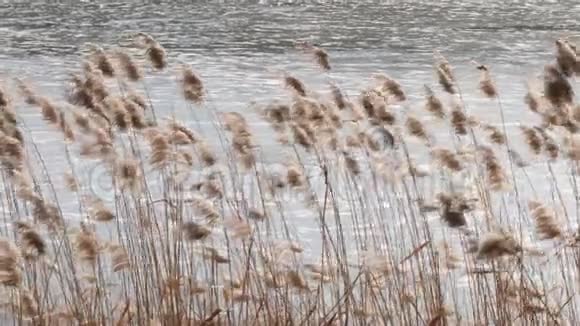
[(401, 241)]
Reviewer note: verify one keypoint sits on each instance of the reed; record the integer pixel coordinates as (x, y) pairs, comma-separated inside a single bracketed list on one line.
[(202, 230)]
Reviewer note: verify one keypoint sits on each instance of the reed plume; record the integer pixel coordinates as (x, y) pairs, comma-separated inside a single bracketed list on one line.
[(383, 114), (295, 84), (214, 255), (447, 159), (32, 244), (566, 58), (557, 88), (319, 54), (496, 244), (135, 114), (302, 136), (27, 304), (533, 100), (181, 135), (533, 140), (160, 150), (351, 164), (103, 62), (10, 260), (451, 212), (128, 65), (208, 158), (5, 101), (549, 144), (87, 245), (205, 209), (94, 82), (193, 231), (296, 280), (495, 135), (459, 121), (445, 74), (544, 219), (486, 85), (572, 144), (119, 258), (12, 153), (338, 97), (452, 209), (416, 128), (277, 115), (98, 211), (391, 87), (295, 176), (46, 213), (322, 58), (496, 176), (433, 104), (65, 128), (192, 85), (155, 52)]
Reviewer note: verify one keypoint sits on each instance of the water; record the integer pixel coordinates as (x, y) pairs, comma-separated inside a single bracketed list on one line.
[(241, 49)]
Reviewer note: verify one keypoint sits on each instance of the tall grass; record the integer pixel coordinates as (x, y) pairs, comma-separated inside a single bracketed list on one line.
[(202, 231)]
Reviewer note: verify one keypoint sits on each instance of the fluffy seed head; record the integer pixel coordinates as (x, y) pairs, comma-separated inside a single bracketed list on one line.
[(557, 88), (193, 231), (544, 220), (295, 84), (496, 244), (129, 66), (486, 85), (433, 104), (192, 85)]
